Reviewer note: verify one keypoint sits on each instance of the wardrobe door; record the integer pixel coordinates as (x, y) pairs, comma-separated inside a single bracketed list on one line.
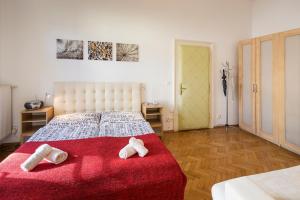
[(266, 50), (290, 80), (246, 85)]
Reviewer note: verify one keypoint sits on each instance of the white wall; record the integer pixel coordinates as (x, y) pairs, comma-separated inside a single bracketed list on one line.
[(1, 35), (31, 28), (271, 16)]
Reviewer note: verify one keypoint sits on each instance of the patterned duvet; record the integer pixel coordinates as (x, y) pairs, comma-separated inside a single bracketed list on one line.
[(91, 125)]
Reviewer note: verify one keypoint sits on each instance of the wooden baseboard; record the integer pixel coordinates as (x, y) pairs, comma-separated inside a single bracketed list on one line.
[(223, 125), (169, 131), (217, 126)]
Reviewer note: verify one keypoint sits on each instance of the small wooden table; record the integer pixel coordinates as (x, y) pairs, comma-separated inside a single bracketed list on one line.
[(153, 114), (32, 120)]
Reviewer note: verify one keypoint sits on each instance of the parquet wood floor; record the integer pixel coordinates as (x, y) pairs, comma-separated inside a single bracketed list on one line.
[(212, 155)]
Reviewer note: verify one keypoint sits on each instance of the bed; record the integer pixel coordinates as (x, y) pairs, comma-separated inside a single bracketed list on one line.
[(281, 184), (93, 121)]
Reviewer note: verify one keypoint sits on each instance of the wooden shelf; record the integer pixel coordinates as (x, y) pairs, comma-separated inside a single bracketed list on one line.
[(31, 131), (155, 124), (153, 114), (152, 106), (32, 127), (32, 120), (41, 110)]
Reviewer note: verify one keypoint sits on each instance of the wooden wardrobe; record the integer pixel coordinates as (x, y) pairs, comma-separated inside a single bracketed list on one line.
[(269, 88)]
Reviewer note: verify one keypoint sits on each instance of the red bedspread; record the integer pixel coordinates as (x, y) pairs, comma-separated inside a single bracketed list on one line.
[(93, 170)]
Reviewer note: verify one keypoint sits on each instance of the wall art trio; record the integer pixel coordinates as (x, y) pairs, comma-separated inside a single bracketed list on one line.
[(73, 49)]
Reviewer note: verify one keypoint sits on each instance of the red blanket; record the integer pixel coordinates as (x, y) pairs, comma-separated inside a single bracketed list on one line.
[(93, 170)]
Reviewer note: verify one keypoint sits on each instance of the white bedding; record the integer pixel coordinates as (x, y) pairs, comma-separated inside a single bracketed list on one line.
[(121, 117), (218, 191), (56, 133), (88, 125), (280, 185), (125, 129), (124, 124), (244, 189), (76, 119)]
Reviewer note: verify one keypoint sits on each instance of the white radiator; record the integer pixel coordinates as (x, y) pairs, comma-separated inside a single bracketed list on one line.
[(5, 111)]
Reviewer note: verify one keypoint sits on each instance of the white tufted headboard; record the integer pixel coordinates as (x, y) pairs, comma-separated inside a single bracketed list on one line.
[(70, 97)]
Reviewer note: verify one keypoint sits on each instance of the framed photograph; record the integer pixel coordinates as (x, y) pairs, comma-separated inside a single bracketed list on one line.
[(69, 49), (127, 52), (100, 50)]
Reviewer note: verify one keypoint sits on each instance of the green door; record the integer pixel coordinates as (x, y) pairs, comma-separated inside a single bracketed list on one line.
[(194, 67)]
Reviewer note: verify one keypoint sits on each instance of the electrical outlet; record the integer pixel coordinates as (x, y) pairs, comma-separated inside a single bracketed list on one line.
[(219, 116)]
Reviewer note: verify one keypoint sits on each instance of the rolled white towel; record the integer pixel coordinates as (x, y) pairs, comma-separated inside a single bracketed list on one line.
[(56, 156), (40, 153), (142, 151), (128, 150)]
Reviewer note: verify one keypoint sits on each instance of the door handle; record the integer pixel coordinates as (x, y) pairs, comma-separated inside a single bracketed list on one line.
[(182, 89)]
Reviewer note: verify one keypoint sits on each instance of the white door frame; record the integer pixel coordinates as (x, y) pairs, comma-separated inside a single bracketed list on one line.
[(177, 83)]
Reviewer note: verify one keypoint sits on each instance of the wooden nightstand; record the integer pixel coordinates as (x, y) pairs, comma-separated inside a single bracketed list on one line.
[(153, 114), (32, 120)]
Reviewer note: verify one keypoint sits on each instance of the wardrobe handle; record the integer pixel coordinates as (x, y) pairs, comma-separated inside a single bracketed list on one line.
[(254, 88)]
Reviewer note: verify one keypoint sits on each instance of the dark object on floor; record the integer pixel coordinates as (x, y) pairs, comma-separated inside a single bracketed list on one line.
[(6, 149)]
